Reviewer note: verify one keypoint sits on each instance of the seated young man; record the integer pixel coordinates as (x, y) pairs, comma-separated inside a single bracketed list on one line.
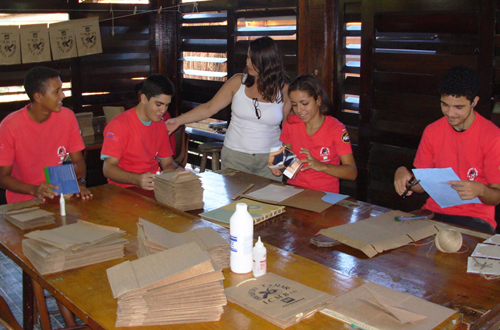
[(136, 144), (41, 134), (470, 145)]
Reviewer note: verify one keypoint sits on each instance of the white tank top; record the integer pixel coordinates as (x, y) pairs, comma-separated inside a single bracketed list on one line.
[(247, 133)]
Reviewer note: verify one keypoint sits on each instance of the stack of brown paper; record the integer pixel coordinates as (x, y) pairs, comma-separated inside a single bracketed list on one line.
[(72, 246), (277, 299), (85, 122), (179, 285), (179, 189), (372, 306), (29, 218), (153, 238)]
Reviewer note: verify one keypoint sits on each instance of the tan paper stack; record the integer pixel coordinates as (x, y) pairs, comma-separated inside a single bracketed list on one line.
[(181, 190), (277, 299), (85, 122), (72, 246), (175, 286), (29, 218), (153, 239)]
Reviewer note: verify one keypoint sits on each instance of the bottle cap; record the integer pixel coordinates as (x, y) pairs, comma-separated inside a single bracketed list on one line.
[(259, 243)]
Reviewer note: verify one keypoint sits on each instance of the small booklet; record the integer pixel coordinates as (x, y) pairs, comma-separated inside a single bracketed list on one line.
[(285, 160), (64, 177)]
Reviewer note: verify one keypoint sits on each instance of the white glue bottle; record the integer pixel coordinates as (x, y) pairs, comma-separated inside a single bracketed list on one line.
[(241, 231), (259, 259), (62, 204)]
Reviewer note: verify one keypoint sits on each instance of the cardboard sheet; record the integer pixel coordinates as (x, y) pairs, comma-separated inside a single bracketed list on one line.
[(372, 306), (377, 234), (301, 198)]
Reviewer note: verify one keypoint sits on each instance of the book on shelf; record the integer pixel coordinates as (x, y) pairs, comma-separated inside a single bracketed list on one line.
[(284, 160), (259, 211)]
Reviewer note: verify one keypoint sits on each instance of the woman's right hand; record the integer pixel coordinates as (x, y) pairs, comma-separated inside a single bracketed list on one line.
[(172, 125), (276, 172)]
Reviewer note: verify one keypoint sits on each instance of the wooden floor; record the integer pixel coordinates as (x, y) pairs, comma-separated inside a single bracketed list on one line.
[(11, 288)]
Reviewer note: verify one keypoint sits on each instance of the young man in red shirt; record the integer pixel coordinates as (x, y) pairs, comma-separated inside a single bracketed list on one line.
[(136, 144), (470, 145), (41, 134)]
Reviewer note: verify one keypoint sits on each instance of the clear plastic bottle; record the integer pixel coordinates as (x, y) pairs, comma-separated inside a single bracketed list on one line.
[(62, 204), (259, 259), (241, 231)]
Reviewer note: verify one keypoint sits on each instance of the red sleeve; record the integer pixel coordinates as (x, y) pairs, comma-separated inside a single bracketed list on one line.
[(341, 140), (114, 140)]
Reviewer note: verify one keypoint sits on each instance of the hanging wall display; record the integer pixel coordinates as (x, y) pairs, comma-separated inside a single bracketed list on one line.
[(88, 36), (62, 40), (10, 50), (35, 43)]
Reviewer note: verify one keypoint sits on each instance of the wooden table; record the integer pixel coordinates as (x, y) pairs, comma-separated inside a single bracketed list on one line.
[(86, 290), (420, 270)]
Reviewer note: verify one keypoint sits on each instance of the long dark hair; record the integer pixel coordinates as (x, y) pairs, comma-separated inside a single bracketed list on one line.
[(309, 84), (266, 58)]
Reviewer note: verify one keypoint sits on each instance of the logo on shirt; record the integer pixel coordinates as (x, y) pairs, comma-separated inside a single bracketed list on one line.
[(324, 154), (472, 173), (61, 153), (345, 137), (111, 136)]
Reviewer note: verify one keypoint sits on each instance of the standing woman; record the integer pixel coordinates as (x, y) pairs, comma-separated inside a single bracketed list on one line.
[(259, 103), (320, 141)]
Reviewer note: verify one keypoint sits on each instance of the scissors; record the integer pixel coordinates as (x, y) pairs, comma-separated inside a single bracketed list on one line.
[(413, 182)]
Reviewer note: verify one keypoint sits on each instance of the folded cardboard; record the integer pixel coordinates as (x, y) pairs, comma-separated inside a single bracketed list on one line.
[(377, 234), (372, 306)]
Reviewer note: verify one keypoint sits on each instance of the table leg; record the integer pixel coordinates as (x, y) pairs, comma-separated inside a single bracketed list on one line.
[(28, 302), (41, 306)]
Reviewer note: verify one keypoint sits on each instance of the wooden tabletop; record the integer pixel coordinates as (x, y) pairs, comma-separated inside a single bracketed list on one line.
[(86, 290), (418, 269)]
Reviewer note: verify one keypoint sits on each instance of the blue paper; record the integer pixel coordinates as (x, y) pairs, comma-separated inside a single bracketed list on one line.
[(64, 177), (434, 181), (333, 197)]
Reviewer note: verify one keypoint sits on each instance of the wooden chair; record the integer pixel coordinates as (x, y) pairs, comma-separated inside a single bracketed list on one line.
[(213, 148), (7, 319), (181, 146)]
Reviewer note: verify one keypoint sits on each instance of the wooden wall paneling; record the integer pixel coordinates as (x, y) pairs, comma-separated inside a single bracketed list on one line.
[(126, 55), (311, 40), (406, 47)]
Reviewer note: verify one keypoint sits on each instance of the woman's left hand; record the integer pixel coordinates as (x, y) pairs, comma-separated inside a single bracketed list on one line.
[(312, 163)]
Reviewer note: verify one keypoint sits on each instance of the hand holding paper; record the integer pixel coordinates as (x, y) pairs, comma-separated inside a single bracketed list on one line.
[(445, 187)]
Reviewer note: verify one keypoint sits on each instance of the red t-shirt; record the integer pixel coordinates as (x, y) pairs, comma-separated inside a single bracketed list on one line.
[(137, 146), (327, 144), (473, 154), (28, 146)]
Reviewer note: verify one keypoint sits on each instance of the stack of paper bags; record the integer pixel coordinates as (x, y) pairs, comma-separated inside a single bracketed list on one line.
[(72, 246), (29, 218), (277, 299), (153, 239), (85, 122), (179, 285), (485, 258), (179, 189)]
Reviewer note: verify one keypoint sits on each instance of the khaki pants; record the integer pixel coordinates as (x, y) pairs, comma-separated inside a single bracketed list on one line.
[(249, 163)]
